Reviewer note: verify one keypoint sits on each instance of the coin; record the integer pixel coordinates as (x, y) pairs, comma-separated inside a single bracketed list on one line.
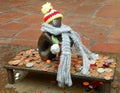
[(45, 69), (10, 62), (74, 56), (94, 73), (25, 55), (112, 65), (25, 62), (72, 71), (38, 61), (110, 60), (17, 57), (85, 83), (107, 77), (36, 65), (105, 57), (100, 70), (15, 62), (29, 64), (80, 62), (100, 56), (108, 70), (77, 65), (109, 74), (48, 61), (99, 64), (21, 63)]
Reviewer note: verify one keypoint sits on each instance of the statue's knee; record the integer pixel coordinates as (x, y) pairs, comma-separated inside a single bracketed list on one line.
[(44, 44)]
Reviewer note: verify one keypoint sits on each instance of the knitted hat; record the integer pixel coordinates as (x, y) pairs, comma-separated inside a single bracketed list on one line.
[(50, 13)]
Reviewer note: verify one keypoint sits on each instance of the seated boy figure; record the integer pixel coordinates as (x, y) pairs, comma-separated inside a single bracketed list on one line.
[(49, 44), (57, 39)]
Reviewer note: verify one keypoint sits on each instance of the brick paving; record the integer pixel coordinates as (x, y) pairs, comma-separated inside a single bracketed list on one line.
[(97, 21)]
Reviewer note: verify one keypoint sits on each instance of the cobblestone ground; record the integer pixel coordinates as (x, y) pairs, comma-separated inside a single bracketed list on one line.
[(97, 22)]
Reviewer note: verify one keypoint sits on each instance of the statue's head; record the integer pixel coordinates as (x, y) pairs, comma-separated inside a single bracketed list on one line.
[(51, 16)]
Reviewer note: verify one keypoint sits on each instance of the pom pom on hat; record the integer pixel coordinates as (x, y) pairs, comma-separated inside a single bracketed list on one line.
[(46, 7), (50, 13)]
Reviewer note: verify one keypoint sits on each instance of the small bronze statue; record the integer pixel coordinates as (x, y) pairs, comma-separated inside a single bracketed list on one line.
[(45, 42), (56, 40)]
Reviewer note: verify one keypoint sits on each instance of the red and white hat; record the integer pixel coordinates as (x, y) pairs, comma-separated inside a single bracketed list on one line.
[(50, 13)]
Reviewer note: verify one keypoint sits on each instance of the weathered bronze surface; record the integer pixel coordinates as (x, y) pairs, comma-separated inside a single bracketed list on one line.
[(45, 42)]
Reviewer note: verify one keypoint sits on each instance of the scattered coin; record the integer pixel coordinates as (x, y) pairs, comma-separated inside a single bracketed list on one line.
[(38, 62), (21, 64), (15, 62), (112, 65), (30, 64), (108, 70), (110, 60), (107, 77), (48, 61), (109, 74), (77, 65), (105, 57), (94, 73), (99, 64), (31, 58), (10, 62), (85, 83), (100, 70), (17, 57)]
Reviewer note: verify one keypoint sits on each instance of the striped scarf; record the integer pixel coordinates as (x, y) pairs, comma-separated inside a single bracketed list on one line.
[(63, 74)]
